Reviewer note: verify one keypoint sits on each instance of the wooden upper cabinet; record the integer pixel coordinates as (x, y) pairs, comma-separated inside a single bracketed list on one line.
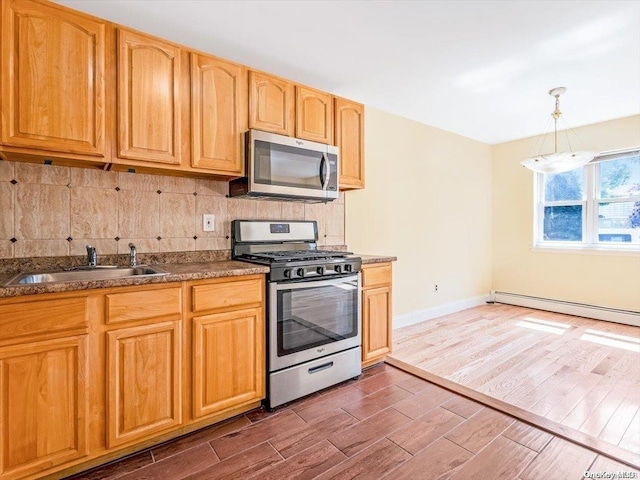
[(271, 104), (349, 131), (314, 115), (53, 79), (218, 114), (149, 96), (43, 405)]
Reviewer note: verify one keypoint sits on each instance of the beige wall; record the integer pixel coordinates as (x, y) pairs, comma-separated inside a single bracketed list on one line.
[(596, 279), (428, 201), (43, 206)]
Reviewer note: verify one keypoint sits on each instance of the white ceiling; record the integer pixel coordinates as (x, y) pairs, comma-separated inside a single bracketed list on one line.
[(481, 69)]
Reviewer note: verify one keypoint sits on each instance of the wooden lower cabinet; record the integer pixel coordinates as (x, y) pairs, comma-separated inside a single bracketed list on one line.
[(87, 377), (144, 381), (43, 405), (228, 360), (228, 343), (376, 312)]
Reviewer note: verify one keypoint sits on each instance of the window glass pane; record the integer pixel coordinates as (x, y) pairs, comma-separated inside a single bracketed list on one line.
[(619, 222), (620, 178), (564, 186), (563, 223)]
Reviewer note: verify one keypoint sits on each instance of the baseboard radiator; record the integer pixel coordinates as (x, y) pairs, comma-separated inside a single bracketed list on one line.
[(627, 317)]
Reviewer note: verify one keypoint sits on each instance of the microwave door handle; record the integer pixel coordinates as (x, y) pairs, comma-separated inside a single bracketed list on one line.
[(324, 171)]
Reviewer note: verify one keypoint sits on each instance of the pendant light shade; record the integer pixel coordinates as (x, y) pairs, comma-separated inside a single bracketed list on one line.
[(558, 162)]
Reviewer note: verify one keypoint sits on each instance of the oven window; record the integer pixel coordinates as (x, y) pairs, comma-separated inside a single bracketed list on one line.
[(287, 166), (314, 316)]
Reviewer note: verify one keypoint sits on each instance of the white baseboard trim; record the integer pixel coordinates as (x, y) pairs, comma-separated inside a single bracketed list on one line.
[(579, 309), (412, 318)]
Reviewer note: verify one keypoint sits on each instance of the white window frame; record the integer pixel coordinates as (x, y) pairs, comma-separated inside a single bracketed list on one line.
[(589, 203)]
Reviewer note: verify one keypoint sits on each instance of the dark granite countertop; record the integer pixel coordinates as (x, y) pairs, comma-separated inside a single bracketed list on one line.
[(178, 272)]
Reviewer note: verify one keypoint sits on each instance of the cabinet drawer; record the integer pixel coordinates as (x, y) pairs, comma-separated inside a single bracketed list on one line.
[(43, 316), (375, 276), (143, 304), (226, 293)]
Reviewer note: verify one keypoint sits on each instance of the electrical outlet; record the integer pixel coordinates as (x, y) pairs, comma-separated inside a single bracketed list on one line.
[(209, 222), (435, 288)]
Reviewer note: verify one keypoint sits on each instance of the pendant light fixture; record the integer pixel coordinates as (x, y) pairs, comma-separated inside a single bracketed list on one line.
[(558, 162)]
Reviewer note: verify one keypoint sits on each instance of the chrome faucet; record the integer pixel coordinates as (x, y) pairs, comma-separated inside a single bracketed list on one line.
[(133, 255), (92, 256)]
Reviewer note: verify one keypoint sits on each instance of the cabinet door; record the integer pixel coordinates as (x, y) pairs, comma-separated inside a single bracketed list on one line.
[(349, 130), (376, 328), (53, 92), (144, 382), (43, 405), (218, 114), (271, 104), (228, 360), (314, 115), (149, 93)]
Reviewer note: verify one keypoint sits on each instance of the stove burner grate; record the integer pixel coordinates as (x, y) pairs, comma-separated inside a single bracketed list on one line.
[(295, 255)]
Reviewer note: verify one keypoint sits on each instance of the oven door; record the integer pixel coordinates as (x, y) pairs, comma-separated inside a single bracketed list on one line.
[(311, 319), (280, 165)]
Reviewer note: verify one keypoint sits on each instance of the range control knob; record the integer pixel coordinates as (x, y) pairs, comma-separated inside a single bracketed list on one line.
[(338, 268), (320, 270), (287, 273), (348, 267), (300, 272)]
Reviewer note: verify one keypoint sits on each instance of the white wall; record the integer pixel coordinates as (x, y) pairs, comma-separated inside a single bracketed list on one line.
[(595, 279), (427, 201)]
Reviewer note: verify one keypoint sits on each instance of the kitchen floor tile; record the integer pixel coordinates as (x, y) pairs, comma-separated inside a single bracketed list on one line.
[(201, 436), (423, 401), (177, 466), (439, 459), (319, 406), (358, 437), (256, 433), (291, 443), (370, 464), (425, 430), (305, 465), (480, 430), (242, 465), (408, 428), (116, 469)]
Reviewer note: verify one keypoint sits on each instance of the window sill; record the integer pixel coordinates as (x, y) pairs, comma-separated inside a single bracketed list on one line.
[(633, 251)]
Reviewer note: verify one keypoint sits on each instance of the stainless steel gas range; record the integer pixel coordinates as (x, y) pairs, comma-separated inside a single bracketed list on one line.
[(313, 310)]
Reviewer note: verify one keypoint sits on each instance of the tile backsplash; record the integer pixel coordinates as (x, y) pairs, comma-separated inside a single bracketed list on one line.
[(48, 210)]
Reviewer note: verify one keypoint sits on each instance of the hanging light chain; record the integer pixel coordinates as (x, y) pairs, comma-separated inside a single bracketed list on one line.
[(556, 115)]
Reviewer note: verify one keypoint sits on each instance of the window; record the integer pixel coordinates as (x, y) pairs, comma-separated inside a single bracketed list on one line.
[(593, 207)]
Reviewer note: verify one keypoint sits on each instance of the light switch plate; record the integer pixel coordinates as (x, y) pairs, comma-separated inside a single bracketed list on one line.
[(209, 222)]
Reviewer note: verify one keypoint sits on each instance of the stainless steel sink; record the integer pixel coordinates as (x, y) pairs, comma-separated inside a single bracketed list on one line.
[(84, 274)]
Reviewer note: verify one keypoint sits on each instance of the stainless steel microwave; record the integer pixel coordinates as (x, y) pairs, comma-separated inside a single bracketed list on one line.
[(286, 168)]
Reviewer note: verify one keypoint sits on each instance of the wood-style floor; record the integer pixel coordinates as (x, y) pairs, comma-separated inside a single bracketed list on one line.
[(581, 374), (388, 424)]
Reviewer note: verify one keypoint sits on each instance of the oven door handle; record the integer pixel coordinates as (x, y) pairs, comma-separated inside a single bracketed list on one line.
[(316, 283)]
